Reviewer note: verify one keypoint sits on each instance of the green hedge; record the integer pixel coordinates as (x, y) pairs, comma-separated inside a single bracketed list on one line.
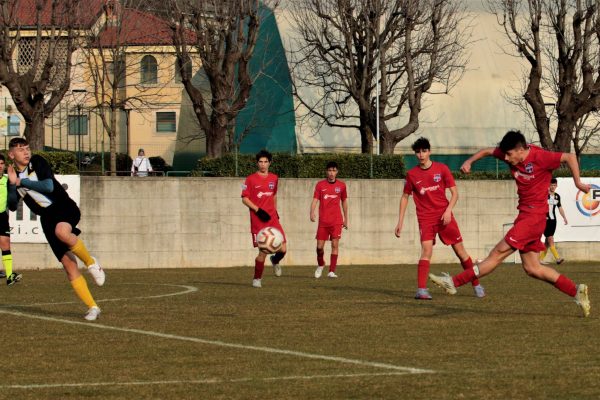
[(306, 165), (61, 162)]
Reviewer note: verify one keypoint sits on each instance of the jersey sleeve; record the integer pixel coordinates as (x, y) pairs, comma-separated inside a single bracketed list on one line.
[(344, 194), (499, 154), (316, 192), (408, 186), (276, 185), (550, 159), (448, 178), (41, 167), (558, 204), (245, 188)]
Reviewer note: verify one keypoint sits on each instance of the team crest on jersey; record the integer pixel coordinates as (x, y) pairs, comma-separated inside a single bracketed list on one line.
[(529, 168), (437, 177), (338, 190), (271, 185)]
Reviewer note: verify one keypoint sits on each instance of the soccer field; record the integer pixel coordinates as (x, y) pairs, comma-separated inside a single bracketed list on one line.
[(207, 334)]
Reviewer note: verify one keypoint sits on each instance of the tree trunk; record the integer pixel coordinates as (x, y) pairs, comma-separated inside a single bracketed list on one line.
[(215, 140), (366, 134), (564, 135), (112, 137), (34, 132)]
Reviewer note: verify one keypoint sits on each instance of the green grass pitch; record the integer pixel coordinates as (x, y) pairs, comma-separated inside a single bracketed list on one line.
[(207, 334)]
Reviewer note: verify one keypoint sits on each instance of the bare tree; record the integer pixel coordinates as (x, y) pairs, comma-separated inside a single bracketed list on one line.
[(35, 62), (560, 41), (417, 46), (223, 35), (123, 79)]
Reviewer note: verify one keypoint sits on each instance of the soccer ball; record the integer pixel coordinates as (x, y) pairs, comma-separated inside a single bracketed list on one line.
[(269, 240)]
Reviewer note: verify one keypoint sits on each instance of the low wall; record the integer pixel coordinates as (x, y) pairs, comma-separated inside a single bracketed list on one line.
[(201, 222)]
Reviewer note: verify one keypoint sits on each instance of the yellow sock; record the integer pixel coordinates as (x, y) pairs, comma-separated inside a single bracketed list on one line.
[(543, 254), (81, 289), (7, 262), (554, 252), (82, 253)]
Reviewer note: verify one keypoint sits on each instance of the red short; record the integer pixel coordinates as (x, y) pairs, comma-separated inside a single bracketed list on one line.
[(254, 229), (526, 232), (329, 232), (449, 234)]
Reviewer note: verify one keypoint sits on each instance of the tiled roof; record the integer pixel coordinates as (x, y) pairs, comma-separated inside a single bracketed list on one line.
[(86, 12), (137, 28)]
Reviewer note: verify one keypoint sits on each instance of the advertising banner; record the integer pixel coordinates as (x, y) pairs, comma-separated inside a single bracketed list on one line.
[(582, 211), (25, 226)]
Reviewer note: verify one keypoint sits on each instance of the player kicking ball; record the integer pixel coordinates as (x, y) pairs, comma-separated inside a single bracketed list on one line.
[(531, 168), (330, 193), (259, 194), (427, 182), (32, 179)]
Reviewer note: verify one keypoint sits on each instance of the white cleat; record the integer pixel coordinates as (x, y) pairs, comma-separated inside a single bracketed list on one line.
[(97, 272), (318, 272), (582, 299), (444, 281), (331, 274), (479, 291), (93, 313), (276, 267), (256, 283)]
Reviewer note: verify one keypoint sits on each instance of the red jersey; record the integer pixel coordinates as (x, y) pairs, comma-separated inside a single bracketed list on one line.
[(428, 187), (330, 196), (533, 178), (261, 190)]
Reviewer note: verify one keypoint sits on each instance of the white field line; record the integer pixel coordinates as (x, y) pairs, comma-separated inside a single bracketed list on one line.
[(219, 343), (187, 289), (199, 381)]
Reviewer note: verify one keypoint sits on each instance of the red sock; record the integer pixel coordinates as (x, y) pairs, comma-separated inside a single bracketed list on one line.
[(468, 263), (566, 285), (320, 257), (259, 267), (422, 273), (333, 262), (464, 277)]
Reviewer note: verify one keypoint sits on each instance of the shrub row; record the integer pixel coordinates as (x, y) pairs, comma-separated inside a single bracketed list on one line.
[(305, 165)]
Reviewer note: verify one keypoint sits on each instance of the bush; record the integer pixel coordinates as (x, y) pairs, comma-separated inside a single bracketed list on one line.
[(306, 165), (61, 162)]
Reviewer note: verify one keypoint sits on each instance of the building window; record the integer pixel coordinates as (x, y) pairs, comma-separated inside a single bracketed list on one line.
[(14, 125), (116, 73), (187, 66), (78, 125), (166, 122), (149, 71)]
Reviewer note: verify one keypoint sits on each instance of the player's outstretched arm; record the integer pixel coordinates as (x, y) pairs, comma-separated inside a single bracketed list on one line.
[(466, 167), (571, 161), (345, 211), (402, 211), (313, 207)]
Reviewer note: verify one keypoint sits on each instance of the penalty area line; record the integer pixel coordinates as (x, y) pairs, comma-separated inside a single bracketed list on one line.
[(219, 343), (199, 381)]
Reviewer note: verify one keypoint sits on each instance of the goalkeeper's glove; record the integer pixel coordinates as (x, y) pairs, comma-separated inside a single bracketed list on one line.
[(263, 215)]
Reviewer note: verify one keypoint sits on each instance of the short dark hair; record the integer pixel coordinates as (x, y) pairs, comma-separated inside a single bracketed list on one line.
[(331, 164), (16, 142), (264, 153), (512, 140), (2, 157), (553, 180), (421, 144)]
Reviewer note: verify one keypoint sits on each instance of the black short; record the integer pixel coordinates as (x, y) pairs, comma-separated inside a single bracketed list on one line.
[(67, 211), (550, 227), (4, 226)]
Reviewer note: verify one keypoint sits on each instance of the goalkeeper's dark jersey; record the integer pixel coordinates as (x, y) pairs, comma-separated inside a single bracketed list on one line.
[(38, 201)]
